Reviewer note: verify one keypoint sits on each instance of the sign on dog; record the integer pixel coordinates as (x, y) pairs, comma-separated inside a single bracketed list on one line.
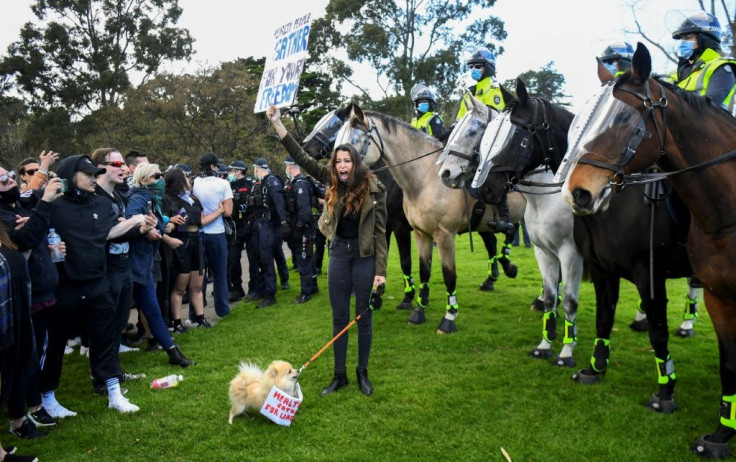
[(280, 407)]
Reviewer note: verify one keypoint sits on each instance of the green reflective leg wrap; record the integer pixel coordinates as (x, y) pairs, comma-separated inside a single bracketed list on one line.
[(491, 261), (691, 309), (728, 411), (423, 294), (506, 250), (665, 370), (639, 308), (571, 332), (549, 325), (408, 284), (599, 361), (452, 301)]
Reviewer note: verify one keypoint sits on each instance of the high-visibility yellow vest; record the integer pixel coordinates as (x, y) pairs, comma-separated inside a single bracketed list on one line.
[(489, 93), (423, 122), (697, 81)]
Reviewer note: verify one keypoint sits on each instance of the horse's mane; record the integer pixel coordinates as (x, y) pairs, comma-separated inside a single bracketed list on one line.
[(394, 125)]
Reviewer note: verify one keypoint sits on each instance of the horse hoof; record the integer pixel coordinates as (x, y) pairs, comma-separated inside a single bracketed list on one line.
[(446, 327), (537, 305), (564, 362), (539, 353), (417, 316), (510, 270), (405, 306), (685, 333), (710, 450), (640, 326), (487, 285), (665, 406), (586, 378)]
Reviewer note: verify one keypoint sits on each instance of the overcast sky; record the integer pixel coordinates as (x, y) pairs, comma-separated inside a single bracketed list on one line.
[(569, 32)]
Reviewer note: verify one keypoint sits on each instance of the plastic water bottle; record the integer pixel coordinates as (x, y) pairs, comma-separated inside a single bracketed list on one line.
[(167, 382), (54, 240)]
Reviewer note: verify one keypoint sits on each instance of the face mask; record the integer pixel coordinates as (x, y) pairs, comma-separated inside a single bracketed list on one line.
[(611, 68), (10, 196), (158, 188), (231, 178), (686, 49), (476, 74), (422, 107)]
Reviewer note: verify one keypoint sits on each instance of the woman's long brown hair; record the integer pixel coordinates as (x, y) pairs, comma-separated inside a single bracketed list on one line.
[(358, 185), (4, 238)]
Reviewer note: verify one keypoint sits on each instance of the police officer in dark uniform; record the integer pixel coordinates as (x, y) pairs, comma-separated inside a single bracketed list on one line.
[(319, 238), (269, 219), (241, 186), (299, 193)]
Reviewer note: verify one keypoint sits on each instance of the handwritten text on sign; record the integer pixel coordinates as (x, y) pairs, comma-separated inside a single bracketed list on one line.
[(280, 407), (284, 66)]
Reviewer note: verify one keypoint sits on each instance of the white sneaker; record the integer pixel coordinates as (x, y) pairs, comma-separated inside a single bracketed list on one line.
[(68, 350), (72, 342), (84, 351), (121, 403), (126, 349), (57, 411)]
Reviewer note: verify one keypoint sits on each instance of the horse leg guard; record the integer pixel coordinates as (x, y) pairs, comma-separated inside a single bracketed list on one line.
[(640, 322), (688, 318), (598, 364), (549, 333), (509, 269), (571, 338), (487, 285), (447, 325), (409, 292), (664, 400), (715, 446)]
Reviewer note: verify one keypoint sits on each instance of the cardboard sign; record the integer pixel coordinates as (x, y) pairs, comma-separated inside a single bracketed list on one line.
[(280, 407), (280, 80)]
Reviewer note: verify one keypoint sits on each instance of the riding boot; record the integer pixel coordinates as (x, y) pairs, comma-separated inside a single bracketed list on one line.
[(503, 225), (366, 387), (338, 381), (176, 358)]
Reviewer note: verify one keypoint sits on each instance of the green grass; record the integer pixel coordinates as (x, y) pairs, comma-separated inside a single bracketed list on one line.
[(454, 397)]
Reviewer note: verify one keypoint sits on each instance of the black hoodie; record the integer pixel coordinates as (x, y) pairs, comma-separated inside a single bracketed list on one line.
[(83, 220)]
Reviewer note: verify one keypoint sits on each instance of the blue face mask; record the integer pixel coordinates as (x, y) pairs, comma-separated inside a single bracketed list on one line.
[(476, 74), (611, 68), (422, 107), (686, 49)]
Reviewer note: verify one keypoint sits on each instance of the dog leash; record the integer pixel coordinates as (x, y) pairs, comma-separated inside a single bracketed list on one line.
[(374, 303)]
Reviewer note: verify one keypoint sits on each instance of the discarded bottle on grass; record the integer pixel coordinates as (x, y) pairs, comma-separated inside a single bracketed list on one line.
[(167, 382), (54, 241)]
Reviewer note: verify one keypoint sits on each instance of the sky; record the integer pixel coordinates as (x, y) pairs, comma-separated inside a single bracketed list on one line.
[(568, 32)]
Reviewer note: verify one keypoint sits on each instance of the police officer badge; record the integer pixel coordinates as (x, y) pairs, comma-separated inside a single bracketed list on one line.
[(497, 99)]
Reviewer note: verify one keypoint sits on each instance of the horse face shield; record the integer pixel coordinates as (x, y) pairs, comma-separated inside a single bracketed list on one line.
[(325, 132), (500, 135)]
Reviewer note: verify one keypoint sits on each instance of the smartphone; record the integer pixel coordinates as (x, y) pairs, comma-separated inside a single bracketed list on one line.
[(150, 206), (64, 185)]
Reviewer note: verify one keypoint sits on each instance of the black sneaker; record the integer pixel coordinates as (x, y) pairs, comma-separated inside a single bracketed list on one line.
[(27, 431), (153, 345), (201, 322), (267, 301), (41, 418), (19, 458), (285, 285), (236, 295), (302, 298)]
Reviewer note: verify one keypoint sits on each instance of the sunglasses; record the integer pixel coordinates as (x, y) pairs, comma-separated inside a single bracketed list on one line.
[(5, 179), (114, 163), (157, 175), (31, 172)]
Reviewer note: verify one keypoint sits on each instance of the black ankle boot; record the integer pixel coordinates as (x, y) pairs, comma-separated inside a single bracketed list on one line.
[(366, 387), (338, 381), (176, 358)]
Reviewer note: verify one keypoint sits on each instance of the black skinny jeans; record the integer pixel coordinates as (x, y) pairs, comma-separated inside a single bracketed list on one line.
[(346, 272)]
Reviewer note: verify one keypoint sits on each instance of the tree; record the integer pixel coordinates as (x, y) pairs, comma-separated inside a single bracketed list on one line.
[(404, 42), (546, 83), (81, 54)]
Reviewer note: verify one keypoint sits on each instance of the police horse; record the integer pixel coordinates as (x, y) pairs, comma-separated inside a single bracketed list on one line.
[(319, 144), (693, 142), (436, 213)]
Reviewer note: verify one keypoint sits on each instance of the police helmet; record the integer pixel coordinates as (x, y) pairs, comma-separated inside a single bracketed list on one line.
[(481, 55), (699, 23), (237, 165), (261, 163), (184, 168), (617, 50), (421, 92)]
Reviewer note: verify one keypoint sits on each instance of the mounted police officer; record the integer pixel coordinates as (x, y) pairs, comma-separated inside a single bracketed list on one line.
[(617, 57), (426, 119), (269, 219), (701, 68), (241, 186), (299, 194)]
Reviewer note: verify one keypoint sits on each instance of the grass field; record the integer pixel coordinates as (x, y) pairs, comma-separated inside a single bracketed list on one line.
[(455, 397)]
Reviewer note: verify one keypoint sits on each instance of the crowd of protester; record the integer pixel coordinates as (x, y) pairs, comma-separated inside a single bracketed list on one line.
[(138, 242)]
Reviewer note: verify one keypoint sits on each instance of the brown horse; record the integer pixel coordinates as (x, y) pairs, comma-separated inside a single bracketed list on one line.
[(639, 121), (436, 212)]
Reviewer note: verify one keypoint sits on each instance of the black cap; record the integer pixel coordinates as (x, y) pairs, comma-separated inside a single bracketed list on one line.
[(85, 165), (289, 161), (261, 163), (183, 167), (237, 165), (222, 168), (207, 159)]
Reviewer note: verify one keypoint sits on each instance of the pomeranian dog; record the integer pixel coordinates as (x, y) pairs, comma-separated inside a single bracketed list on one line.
[(249, 389)]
